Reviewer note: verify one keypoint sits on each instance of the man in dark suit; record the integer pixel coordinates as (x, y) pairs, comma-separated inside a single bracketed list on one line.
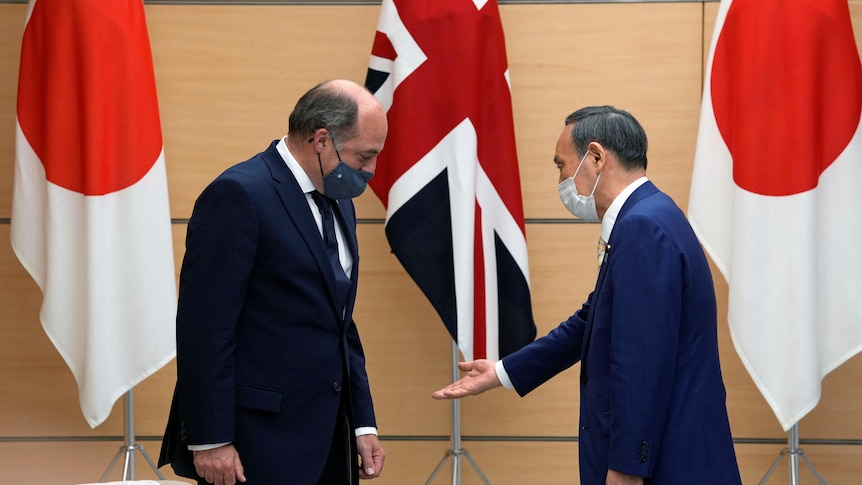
[(652, 398), (271, 380)]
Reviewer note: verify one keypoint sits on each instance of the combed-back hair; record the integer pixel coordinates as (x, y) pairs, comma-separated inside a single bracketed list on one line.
[(615, 129), (325, 106)]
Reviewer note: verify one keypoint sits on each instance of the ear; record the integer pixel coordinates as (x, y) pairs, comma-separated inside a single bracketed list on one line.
[(598, 155), (318, 139)]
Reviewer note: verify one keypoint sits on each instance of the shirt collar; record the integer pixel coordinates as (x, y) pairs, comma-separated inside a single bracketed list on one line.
[(298, 173), (613, 211)]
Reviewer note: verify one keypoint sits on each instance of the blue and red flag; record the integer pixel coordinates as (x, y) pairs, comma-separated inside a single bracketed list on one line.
[(449, 173)]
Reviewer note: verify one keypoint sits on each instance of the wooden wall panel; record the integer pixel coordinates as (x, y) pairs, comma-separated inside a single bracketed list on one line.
[(644, 58), (408, 351), (40, 397), (69, 463), (410, 462), (838, 465), (227, 78), (11, 28), (39, 393)]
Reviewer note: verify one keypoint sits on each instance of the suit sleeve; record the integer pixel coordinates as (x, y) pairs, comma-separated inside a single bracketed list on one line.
[(646, 315), (542, 359), (360, 389), (220, 248)]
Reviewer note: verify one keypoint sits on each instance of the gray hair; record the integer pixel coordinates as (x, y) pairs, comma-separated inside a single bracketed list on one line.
[(617, 130), (325, 107)]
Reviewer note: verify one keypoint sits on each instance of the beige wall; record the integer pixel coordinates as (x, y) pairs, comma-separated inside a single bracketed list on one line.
[(227, 78)]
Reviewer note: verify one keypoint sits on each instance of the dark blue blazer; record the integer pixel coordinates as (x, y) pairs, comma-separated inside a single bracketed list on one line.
[(263, 353), (652, 396)]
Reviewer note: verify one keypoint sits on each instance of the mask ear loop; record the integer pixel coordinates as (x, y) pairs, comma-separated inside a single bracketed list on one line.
[(598, 177), (319, 162), (335, 147), (579, 168)]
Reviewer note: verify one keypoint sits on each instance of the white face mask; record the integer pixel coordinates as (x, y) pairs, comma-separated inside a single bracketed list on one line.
[(580, 206)]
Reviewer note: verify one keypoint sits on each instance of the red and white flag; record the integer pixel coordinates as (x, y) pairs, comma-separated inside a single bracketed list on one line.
[(90, 215), (449, 173), (775, 193)]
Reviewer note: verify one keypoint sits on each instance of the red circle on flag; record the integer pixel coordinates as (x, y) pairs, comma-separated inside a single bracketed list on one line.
[(87, 95), (786, 91)]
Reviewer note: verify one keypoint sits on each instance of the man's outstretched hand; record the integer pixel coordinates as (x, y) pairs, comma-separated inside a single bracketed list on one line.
[(480, 377)]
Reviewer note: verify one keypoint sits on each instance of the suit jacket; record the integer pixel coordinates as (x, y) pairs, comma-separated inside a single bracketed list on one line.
[(652, 396), (263, 353)]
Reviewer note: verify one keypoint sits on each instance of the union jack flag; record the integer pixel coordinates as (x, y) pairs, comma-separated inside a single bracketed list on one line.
[(448, 176)]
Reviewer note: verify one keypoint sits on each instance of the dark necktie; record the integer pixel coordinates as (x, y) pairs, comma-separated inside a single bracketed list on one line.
[(342, 282)]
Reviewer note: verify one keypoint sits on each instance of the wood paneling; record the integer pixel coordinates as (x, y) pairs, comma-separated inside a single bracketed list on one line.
[(838, 465), (644, 58), (227, 78), (410, 462), (11, 29)]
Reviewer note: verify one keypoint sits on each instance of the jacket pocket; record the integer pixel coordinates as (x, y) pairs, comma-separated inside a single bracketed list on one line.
[(258, 398)]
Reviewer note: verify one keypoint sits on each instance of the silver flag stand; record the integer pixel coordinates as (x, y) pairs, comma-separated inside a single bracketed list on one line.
[(456, 451), (795, 452), (129, 448)]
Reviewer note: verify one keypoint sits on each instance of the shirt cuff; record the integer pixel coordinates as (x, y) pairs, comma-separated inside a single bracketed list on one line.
[(207, 447), (503, 375), (359, 432), (366, 430)]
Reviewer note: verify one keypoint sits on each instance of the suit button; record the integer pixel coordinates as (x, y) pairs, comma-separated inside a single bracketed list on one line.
[(336, 386)]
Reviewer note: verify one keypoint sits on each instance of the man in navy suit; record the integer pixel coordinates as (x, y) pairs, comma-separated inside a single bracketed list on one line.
[(271, 380), (652, 398)]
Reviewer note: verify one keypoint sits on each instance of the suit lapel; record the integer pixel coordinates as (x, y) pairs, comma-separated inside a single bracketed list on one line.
[(296, 206), (346, 217), (646, 189), (591, 314)]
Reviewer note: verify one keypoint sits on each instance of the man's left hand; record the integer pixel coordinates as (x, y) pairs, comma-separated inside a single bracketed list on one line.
[(618, 478), (371, 456)]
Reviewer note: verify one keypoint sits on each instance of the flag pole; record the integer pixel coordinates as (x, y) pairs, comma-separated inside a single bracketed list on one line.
[(795, 452), (456, 451), (129, 447)]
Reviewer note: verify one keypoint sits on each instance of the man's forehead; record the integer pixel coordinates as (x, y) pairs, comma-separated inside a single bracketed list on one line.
[(565, 144)]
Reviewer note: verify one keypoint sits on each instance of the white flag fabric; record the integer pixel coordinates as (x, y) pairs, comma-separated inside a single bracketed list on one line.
[(90, 213), (775, 196)]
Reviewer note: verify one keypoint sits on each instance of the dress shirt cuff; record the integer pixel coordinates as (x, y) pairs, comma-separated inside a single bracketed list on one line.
[(359, 432), (503, 375), (207, 447), (366, 430)]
